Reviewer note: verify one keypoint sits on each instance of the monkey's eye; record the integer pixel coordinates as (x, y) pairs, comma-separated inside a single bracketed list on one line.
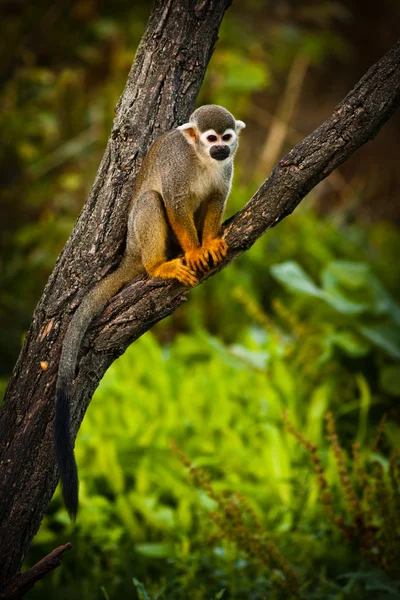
[(212, 138), (227, 137)]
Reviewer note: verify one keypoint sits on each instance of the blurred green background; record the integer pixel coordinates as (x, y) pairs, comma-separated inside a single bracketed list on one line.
[(307, 321)]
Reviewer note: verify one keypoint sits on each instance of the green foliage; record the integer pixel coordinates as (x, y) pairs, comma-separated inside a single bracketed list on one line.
[(370, 494), (351, 289), (298, 345), (237, 521)]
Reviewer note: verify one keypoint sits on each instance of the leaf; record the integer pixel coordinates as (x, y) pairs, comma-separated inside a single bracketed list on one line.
[(128, 517), (343, 305), (350, 343), (295, 278), (384, 302), (154, 550), (316, 411), (358, 276), (104, 592), (384, 336), (141, 590), (258, 359), (224, 354), (352, 275), (365, 403)]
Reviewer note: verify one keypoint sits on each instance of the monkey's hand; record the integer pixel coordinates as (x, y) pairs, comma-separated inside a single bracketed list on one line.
[(185, 275), (197, 259), (216, 248), (175, 269)]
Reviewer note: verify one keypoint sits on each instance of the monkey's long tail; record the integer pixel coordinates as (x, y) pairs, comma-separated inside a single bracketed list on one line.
[(91, 305)]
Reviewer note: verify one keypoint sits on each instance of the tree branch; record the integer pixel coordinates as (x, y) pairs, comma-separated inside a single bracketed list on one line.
[(21, 583)]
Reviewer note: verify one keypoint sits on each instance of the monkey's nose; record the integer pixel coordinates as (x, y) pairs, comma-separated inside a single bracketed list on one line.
[(219, 151)]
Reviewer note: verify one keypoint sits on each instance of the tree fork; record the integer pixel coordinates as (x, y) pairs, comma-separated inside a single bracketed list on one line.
[(160, 93)]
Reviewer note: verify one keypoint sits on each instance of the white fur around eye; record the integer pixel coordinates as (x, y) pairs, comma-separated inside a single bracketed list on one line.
[(231, 133), (205, 135)]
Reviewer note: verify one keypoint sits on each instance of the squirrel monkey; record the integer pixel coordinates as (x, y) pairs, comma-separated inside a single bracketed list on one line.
[(178, 203)]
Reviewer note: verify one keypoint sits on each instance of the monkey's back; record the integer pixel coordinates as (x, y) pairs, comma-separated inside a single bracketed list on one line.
[(169, 157)]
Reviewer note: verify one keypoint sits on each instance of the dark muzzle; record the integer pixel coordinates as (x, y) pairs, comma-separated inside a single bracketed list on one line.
[(220, 152)]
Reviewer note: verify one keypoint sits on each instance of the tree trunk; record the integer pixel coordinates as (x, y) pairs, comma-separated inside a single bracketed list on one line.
[(160, 93)]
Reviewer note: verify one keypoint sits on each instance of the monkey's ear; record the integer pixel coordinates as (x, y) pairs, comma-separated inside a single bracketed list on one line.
[(240, 125), (190, 131)]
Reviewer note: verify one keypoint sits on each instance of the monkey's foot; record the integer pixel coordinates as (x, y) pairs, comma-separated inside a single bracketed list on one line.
[(216, 248), (174, 269), (197, 259)]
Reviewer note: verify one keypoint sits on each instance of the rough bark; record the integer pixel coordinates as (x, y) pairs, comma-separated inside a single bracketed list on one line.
[(161, 91)]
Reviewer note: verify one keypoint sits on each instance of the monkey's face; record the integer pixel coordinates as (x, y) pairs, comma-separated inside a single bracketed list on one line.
[(218, 146), (213, 131)]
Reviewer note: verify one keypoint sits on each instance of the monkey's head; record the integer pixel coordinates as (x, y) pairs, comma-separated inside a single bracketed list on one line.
[(214, 132)]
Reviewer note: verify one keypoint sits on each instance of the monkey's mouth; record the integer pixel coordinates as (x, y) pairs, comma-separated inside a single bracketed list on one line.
[(220, 152)]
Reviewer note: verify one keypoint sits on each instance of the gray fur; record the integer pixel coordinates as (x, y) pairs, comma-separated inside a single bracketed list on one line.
[(212, 116)]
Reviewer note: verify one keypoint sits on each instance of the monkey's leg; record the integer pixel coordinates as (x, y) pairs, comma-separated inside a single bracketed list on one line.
[(151, 232), (212, 243), (182, 224)]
